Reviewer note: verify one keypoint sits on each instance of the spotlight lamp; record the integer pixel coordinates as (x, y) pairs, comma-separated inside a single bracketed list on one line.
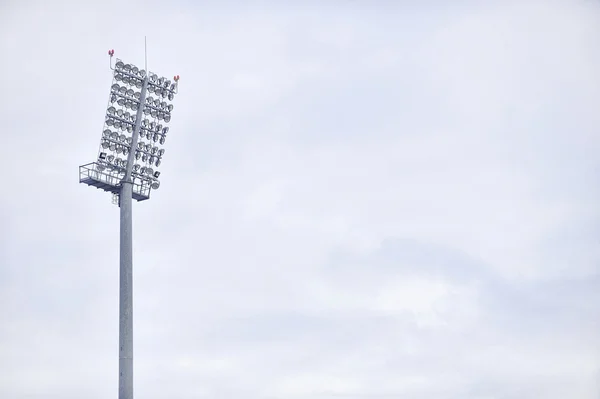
[(136, 123)]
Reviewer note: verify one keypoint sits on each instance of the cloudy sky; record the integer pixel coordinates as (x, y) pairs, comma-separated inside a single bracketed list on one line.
[(359, 200)]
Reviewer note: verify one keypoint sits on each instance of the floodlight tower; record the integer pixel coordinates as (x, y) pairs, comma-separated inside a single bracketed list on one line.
[(129, 155)]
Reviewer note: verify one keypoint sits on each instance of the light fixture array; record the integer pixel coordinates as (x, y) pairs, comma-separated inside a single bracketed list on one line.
[(119, 123)]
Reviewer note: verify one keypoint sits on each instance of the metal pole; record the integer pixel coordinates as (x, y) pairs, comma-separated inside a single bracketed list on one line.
[(126, 263)]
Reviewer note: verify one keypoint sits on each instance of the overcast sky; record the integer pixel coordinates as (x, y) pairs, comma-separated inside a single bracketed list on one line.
[(359, 200)]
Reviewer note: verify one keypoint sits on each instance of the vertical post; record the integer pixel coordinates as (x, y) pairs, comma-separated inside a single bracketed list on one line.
[(126, 263)]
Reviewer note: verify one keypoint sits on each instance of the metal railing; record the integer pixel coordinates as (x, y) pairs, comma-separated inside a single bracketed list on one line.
[(110, 180)]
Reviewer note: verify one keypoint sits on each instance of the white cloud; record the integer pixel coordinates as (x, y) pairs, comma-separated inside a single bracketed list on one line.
[(356, 202)]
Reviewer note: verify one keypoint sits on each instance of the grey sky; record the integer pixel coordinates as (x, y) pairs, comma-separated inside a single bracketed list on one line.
[(359, 200)]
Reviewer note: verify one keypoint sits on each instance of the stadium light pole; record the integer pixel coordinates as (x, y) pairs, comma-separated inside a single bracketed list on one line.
[(130, 178)]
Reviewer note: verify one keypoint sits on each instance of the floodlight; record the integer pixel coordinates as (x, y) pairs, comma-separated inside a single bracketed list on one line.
[(133, 127)]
